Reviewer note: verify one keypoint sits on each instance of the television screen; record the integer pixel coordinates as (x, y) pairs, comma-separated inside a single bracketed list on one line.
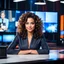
[(49, 19), (8, 38), (7, 21), (0, 38)]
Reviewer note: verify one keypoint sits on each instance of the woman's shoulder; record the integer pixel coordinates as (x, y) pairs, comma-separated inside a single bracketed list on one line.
[(42, 36), (17, 34)]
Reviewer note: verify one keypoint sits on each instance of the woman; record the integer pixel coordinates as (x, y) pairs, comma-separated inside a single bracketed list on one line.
[(29, 37)]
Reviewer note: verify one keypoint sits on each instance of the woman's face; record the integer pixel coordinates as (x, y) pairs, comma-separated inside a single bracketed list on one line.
[(30, 25)]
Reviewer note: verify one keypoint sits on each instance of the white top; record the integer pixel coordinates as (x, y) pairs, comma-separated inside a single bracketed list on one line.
[(5, 20)]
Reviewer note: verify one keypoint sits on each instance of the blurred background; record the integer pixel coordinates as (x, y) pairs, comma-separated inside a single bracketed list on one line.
[(50, 11)]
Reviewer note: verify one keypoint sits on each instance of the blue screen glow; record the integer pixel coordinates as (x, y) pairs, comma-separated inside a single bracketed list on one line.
[(62, 32), (51, 17), (8, 38), (0, 38)]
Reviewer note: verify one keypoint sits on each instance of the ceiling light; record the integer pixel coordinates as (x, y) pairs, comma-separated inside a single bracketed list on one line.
[(40, 2), (18, 0), (53, 0), (62, 2)]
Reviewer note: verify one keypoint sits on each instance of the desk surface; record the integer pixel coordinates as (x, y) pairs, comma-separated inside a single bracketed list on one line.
[(53, 55)]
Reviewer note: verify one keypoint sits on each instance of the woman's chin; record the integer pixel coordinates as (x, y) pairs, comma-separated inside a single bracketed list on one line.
[(30, 31)]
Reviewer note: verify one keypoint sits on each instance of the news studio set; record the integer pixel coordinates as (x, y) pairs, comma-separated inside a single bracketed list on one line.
[(51, 13)]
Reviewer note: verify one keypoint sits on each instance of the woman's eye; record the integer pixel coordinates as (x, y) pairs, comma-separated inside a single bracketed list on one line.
[(27, 23), (32, 23)]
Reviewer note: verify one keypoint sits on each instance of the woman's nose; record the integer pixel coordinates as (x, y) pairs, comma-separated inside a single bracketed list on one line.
[(29, 24)]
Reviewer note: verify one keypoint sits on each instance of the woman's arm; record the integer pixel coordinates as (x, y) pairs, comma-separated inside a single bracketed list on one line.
[(43, 50), (11, 48), (44, 46), (34, 52), (27, 52), (24, 52)]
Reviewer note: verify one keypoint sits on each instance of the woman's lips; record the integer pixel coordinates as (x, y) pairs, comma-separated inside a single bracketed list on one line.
[(29, 28)]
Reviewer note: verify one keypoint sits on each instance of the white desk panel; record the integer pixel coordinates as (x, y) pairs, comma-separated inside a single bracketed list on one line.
[(23, 58)]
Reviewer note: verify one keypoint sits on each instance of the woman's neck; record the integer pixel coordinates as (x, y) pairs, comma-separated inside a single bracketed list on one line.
[(30, 34)]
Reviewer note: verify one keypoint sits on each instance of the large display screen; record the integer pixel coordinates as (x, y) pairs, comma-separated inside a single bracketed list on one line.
[(8, 38), (49, 19), (7, 21)]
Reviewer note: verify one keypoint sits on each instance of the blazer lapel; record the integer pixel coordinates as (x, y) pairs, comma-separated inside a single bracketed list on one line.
[(25, 41), (33, 41)]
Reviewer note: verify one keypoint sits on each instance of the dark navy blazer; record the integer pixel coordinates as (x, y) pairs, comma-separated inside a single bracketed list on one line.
[(39, 44)]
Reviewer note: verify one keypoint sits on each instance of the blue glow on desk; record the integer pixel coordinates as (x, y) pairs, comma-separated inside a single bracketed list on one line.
[(53, 55)]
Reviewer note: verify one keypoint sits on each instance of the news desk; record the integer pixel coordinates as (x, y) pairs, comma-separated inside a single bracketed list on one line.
[(52, 57)]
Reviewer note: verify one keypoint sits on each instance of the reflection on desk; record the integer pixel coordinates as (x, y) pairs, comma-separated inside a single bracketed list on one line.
[(52, 56)]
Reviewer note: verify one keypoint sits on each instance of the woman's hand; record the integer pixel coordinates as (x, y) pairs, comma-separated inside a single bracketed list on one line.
[(27, 52), (33, 52), (24, 52)]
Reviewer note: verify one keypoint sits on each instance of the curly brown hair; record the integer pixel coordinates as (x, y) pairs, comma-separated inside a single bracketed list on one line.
[(21, 26)]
